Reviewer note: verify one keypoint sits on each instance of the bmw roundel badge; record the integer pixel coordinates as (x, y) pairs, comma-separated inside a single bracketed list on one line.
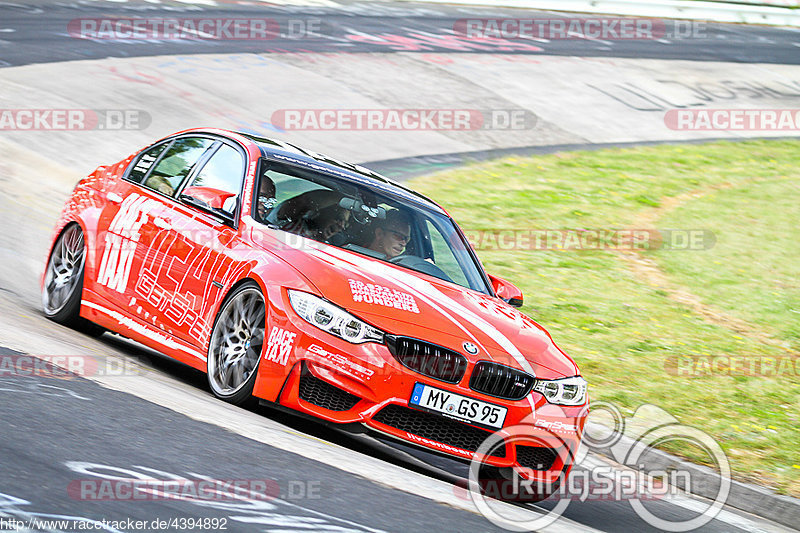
[(470, 348)]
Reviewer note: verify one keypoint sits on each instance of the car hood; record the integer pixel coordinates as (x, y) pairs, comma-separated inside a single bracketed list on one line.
[(408, 303)]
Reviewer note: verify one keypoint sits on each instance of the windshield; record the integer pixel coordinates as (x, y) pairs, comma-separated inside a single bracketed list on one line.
[(366, 221)]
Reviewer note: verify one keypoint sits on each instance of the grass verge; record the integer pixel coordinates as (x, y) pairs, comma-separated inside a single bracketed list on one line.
[(626, 328)]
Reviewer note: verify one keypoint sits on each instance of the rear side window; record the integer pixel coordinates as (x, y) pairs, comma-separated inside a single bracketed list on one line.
[(176, 164), (146, 161)]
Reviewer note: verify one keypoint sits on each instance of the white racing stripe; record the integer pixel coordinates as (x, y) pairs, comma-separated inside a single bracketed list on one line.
[(427, 292), (348, 266), (156, 336)]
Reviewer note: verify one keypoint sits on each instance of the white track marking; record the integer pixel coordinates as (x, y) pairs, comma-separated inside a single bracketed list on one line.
[(204, 408)]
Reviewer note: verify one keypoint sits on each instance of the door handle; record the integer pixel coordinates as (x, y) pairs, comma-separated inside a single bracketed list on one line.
[(113, 197)]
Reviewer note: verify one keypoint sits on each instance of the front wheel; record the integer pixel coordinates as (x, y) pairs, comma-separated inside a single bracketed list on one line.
[(235, 347)]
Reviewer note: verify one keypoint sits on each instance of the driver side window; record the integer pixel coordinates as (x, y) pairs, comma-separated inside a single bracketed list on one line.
[(443, 255)]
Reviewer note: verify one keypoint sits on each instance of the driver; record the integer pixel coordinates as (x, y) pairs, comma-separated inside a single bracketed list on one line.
[(391, 234)]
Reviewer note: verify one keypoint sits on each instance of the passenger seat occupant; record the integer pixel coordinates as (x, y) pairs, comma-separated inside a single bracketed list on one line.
[(160, 184), (265, 199), (391, 234), (315, 214)]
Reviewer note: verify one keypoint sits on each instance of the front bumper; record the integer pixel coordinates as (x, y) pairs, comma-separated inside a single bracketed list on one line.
[(316, 387)]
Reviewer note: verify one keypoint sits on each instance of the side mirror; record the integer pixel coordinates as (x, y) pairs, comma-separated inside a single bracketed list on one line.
[(506, 291)]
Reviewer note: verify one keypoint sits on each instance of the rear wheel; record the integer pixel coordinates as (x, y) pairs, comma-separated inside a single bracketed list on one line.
[(235, 347), (63, 281)]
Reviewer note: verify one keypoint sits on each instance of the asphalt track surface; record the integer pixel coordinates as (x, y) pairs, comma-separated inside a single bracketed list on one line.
[(57, 432), (40, 32)]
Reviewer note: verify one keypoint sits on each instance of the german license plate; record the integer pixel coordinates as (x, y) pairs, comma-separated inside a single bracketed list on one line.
[(458, 406)]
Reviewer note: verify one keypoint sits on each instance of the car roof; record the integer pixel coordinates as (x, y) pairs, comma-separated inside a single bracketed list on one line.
[(283, 151)]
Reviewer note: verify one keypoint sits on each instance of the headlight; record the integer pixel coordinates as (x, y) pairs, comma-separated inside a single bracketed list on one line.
[(333, 319), (567, 391)]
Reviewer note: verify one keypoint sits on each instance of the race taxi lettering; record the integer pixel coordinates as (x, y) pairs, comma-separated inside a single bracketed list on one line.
[(279, 345), (173, 305), (379, 295), (121, 238)]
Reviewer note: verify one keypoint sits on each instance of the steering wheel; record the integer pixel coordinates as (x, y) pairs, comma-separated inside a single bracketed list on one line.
[(361, 212), (360, 216)]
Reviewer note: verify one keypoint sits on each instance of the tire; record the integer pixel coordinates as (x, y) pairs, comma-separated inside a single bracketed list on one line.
[(63, 282), (234, 351)]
